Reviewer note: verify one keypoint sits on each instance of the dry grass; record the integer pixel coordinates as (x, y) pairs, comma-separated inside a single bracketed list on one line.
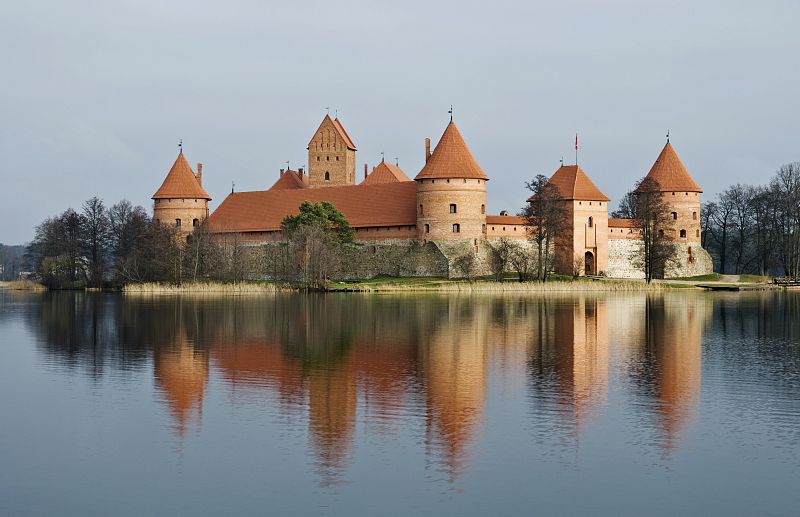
[(202, 288), (510, 287), (23, 285)]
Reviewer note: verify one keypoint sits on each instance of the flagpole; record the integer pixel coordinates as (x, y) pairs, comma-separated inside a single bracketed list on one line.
[(576, 149)]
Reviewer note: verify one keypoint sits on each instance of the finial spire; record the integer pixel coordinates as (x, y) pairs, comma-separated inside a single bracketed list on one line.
[(180, 146), (233, 186), (382, 157), (336, 113), (562, 161), (327, 110), (451, 113), (287, 164), (396, 161), (667, 135)]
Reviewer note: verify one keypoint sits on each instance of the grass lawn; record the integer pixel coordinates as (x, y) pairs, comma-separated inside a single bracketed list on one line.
[(711, 277)]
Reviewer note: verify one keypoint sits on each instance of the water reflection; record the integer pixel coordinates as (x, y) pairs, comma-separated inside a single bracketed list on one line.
[(334, 363)]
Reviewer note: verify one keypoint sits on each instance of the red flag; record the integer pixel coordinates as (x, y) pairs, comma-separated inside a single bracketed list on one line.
[(576, 141)]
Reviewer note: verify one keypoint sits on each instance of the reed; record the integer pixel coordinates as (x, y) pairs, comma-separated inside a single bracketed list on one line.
[(509, 287), (23, 285), (202, 288)]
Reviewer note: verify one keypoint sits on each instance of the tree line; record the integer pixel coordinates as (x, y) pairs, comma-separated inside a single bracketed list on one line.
[(756, 228), (102, 246)]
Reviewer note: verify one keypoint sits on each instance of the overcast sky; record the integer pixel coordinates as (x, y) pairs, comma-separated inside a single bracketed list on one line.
[(95, 95)]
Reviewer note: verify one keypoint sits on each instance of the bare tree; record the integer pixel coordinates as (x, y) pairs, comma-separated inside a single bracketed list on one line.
[(466, 264), (499, 255), (627, 206), (547, 219), (522, 261), (652, 216)]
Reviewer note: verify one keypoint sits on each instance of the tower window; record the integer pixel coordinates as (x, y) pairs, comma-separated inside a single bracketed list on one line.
[(453, 208), (317, 158), (421, 211), (660, 233), (427, 228), (483, 209), (456, 228), (698, 233), (337, 158), (195, 222), (674, 215), (327, 158), (178, 223), (683, 234), (591, 222), (327, 176), (694, 216)]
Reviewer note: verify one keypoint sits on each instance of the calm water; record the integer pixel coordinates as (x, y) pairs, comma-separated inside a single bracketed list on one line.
[(682, 404)]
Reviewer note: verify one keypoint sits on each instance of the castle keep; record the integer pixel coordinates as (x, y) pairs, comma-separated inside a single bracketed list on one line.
[(444, 206)]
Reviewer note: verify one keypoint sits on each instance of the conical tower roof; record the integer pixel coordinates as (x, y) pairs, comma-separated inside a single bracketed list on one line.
[(670, 173), (574, 184), (451, 159), (181, 183)]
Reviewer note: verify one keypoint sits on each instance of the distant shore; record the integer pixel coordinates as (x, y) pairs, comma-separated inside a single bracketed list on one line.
[(386, 284)]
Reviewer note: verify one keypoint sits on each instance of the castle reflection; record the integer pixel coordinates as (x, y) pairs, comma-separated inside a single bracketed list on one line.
[(351, 367)]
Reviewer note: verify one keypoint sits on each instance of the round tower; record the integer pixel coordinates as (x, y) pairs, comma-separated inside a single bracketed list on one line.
[(451, 191), (181, 200), (680, 192)]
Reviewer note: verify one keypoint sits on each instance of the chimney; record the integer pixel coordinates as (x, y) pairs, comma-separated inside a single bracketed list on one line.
[(300, 171), (427, 149), (365, 171), (199, 174)]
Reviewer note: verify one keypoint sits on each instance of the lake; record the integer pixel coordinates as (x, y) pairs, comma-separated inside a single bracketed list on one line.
[(680, 403)]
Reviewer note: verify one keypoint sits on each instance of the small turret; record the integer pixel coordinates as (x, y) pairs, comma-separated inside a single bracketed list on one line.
[(181, 200), (451, 192)]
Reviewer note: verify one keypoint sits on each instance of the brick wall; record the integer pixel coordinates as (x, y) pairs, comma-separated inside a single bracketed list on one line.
[(434, 198), (167, 211)]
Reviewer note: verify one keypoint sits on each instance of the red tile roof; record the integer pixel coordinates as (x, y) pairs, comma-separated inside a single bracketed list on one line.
[(347, 140), (385, 173), (382, 204), (616, 222), (181, 183), (451, 159), (505, 219), (670, 173), (290, 180), (574, 184)]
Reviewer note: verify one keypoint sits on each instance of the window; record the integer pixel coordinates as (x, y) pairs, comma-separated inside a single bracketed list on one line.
[(195, 222), (484, 228), (327, 176), (660, 233), (327, 158), (694, 216), (683, 234), (453, 208), (337, 158), (178, 223), (427, 228), (674, 215), (483, 209), (698, 233), (421, 211), (456, 228), (591, 222), (317, 158)]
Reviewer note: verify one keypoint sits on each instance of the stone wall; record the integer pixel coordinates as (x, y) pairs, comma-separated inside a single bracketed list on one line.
[(692, 260), (392, 257)]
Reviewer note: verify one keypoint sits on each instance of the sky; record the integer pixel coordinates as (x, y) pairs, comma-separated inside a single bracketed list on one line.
[(96, 95)]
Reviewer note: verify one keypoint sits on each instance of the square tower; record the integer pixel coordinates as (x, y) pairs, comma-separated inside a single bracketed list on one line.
[(331, 156)]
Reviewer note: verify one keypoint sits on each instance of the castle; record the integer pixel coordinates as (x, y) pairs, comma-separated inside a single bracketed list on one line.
[(445, 204)]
